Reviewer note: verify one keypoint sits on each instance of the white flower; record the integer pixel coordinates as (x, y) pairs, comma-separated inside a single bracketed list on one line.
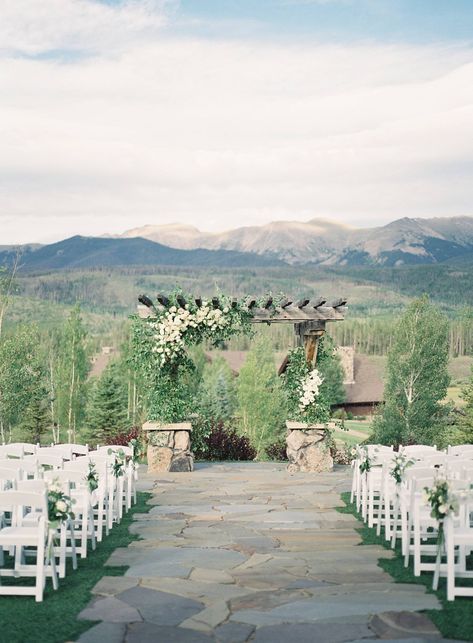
[(61, 506)]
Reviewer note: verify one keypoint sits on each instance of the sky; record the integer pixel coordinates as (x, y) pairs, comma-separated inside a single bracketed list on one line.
[(222, 113)]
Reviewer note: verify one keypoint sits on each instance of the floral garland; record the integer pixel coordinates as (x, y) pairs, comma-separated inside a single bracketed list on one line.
[(119, 462), (400, 463), (366, 462), (306, 403), (59, 505), (92, 477), (175, 327)]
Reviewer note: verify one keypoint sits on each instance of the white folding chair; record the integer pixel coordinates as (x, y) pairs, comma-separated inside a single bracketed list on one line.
[(79, 492), (24, 534), (100, 498), (60, 536)]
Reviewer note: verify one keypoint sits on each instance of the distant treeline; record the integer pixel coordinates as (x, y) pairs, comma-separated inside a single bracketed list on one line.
[(374, 336)]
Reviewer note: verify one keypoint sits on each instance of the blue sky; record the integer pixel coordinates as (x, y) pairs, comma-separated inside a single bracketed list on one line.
[(220, 113), (385, 20)]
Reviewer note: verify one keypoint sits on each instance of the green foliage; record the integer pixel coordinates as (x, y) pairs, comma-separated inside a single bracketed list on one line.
[(72, 367), (22, 387), (107, 410), (217, 392), (261, 398), (417, 379), (37, 418), (297, 372), (331, 370), (465, 424), (161, 350)]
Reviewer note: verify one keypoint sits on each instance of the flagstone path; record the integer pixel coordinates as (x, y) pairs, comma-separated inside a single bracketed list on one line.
[(238, 552)]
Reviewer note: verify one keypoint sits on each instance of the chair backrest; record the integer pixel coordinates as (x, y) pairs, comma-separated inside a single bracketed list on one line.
[(432, 460), (49, 460), (414, 449), (79, 449), (65, 477), (128, 451), (17, 501), (34, 486), (11, 463), (9, 477), (460, 449), (62, 450), (12, 450)]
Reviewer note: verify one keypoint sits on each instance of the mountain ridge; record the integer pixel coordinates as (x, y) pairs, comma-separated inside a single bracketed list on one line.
[(321, 241), (406, 241)]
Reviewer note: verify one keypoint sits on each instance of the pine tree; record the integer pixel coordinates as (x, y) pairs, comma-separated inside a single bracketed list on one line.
[(417, 378), (37, 418), (107, 412), (217, 391)]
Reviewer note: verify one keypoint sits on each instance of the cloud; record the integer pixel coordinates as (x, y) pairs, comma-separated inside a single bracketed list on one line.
[(32, 28), (222, 133)]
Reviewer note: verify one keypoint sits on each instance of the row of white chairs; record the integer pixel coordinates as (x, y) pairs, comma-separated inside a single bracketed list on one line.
[(401, 510), (26, 473)]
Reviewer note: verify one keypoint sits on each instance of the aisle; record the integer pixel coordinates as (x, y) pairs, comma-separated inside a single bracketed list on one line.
[(241, 552)]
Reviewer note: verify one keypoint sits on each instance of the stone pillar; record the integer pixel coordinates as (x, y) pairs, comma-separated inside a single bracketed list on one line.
[(307, 449), (169, 447)]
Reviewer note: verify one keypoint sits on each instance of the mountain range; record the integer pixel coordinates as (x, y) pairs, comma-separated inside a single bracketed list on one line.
[(406, 241)]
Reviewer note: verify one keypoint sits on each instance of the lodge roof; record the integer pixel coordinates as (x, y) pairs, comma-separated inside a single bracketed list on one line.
[(368, 384)]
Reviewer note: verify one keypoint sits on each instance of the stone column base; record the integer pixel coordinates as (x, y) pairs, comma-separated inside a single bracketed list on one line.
[(169, 447), (307, 450)]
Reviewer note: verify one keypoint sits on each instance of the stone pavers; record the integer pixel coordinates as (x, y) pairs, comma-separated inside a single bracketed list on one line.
[(248, 552)]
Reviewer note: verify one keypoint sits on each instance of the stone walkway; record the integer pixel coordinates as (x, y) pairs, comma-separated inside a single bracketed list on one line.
[(246, 552)]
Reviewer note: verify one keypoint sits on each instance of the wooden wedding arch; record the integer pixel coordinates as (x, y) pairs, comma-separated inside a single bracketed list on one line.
[(309, 316)]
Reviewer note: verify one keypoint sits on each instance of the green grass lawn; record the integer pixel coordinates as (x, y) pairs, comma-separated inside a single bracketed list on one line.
[(356, 431), (22, 620), (455, 619)]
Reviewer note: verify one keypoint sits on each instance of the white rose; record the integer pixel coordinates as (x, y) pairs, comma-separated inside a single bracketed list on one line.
[(61, 506)]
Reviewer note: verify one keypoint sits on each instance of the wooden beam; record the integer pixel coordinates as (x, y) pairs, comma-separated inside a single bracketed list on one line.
[(163, 300), (285, 303), (338, 303), (146, 301), (302, 303), (215, 302), (181, 301), (234, 302), (251, 303), (268, 303), (282, 369), (316, 303), (198, 301)]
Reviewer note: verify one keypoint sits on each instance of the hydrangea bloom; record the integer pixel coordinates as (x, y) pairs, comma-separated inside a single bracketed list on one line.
[(172, 327), (310, 389)]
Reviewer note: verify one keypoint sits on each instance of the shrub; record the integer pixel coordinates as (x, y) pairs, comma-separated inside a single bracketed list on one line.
[(223, 443), (277, 451)]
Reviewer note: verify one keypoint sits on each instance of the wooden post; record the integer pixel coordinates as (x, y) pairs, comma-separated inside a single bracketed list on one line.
[(308, 335)]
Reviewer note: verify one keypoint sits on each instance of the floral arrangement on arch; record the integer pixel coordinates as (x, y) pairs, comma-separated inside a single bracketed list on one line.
[(305, 399), (160, 347)]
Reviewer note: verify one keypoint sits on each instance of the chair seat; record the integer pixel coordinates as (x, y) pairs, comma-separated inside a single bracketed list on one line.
[(18, 536)]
